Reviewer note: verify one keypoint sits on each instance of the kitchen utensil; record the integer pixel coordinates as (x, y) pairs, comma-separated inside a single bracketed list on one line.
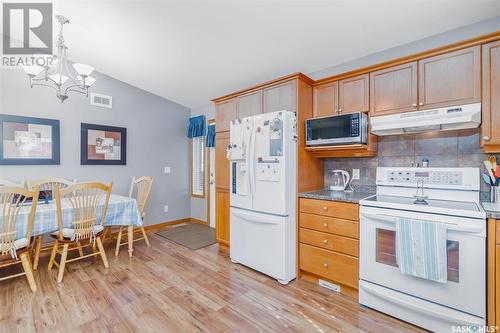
[(339, 179), (496, 172), (493, 160), (489, 168), (487, 179)]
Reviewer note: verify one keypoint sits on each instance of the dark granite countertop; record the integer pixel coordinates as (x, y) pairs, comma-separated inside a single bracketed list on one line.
[(325, 194), (490, 213)]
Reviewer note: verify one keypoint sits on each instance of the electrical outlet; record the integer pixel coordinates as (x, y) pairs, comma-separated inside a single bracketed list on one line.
[(167, 170), (165, 209), (355, 174)]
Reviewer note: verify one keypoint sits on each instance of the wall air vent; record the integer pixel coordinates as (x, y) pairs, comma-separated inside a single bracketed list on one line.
[(104, 101)]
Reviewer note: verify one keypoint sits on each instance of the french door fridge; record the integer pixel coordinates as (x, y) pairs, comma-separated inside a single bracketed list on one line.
[(263, 159)]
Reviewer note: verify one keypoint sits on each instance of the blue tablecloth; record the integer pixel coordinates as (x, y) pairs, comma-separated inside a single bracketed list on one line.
[(121, 211)]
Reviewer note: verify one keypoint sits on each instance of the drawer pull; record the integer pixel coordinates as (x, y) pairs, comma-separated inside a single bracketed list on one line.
[(325, 225), (325, 208), (325, 265), (325, 241)]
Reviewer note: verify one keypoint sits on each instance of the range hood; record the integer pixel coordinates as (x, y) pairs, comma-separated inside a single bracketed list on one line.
[(442, 119)]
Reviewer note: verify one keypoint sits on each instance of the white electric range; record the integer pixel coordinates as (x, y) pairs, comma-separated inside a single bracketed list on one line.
[(439, 195)]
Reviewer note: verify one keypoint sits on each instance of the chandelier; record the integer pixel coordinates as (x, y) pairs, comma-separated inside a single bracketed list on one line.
[(57, 74)]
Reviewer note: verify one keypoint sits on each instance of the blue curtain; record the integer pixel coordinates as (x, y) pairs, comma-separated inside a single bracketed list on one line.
[(196, 127), (210, 136)]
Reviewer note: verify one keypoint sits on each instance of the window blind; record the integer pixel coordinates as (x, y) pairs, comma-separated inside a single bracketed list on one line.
[(198, 166)]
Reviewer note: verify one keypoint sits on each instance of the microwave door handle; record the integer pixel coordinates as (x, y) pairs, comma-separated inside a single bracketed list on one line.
[(449, 226)]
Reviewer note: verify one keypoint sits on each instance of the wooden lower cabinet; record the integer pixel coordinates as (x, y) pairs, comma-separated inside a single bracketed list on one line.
[(329, 242), (222, 216)]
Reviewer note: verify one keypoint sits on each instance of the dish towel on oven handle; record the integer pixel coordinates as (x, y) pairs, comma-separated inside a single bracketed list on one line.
[(421, 249)]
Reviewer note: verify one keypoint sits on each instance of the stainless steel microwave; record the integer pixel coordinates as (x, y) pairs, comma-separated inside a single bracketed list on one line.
[(341, 129)]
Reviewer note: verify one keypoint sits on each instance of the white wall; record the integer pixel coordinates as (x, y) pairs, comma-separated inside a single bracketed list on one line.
[(156, 137), (199, 205)]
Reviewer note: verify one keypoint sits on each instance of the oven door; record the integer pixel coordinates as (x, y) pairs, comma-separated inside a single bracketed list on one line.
[(465, 289)]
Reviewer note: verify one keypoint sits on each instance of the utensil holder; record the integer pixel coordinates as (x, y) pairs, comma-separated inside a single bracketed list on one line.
[(495, 193)]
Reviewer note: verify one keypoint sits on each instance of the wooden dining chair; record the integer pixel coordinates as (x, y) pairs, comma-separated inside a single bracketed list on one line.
[(84, 200), (4, 182), (45, 184), (140, 189), (12, 200)]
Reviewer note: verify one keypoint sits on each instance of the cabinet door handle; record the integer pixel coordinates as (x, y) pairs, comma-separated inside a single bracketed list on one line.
[(340, 110), (325, 208), (325, 265), (421, 103), (486, 138), (325, 225), (414, 104), (325, 241)]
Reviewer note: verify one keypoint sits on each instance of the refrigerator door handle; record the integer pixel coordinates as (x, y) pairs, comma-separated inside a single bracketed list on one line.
[(251, 166), (256, 218)]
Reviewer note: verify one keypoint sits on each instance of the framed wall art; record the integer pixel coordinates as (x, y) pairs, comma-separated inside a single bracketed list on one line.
[(103, 145), (29, 141)]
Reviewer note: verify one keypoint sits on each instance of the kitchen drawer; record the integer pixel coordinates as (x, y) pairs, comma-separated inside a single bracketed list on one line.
[(334, 266), (498, 232), (343, 210), (329, 224), (330, 242)]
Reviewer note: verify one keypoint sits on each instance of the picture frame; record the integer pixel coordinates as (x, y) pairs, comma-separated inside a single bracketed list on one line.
[(103, 145), (29, 140)]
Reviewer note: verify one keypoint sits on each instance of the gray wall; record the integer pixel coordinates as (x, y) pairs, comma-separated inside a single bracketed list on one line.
[(448, 37), (156, 137), (199, 205)]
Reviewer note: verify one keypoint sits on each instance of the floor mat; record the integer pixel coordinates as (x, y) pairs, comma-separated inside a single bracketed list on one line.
[(192, 236)]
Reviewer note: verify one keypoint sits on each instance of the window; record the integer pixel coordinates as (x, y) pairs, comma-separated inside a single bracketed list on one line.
[(198, 166)]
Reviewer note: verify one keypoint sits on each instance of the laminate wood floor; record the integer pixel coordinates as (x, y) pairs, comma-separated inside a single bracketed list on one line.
[(169, 288)]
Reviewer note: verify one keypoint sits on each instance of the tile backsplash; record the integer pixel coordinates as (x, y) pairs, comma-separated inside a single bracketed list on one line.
[(442, 149)]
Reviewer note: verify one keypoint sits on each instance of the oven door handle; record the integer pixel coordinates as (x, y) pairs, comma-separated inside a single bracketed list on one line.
[(413, 307), (449, 226)]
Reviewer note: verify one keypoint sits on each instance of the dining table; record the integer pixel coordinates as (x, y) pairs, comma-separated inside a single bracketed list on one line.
[(122, 211)]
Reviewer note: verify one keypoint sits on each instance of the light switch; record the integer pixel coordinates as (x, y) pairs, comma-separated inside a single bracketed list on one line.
[(355, 174), (167, 170)]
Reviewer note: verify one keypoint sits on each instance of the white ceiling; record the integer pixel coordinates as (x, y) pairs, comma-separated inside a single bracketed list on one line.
[(191, 52)]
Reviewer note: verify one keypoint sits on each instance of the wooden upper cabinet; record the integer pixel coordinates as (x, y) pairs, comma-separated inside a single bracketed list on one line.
[(394, 90), (221, 162), (325, 99), (354, 94), (281, 97), (450, 79), (224, 113), (490, 136), (249, 105)]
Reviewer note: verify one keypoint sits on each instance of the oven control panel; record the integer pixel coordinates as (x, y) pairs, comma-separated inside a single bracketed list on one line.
[(427, 176)]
